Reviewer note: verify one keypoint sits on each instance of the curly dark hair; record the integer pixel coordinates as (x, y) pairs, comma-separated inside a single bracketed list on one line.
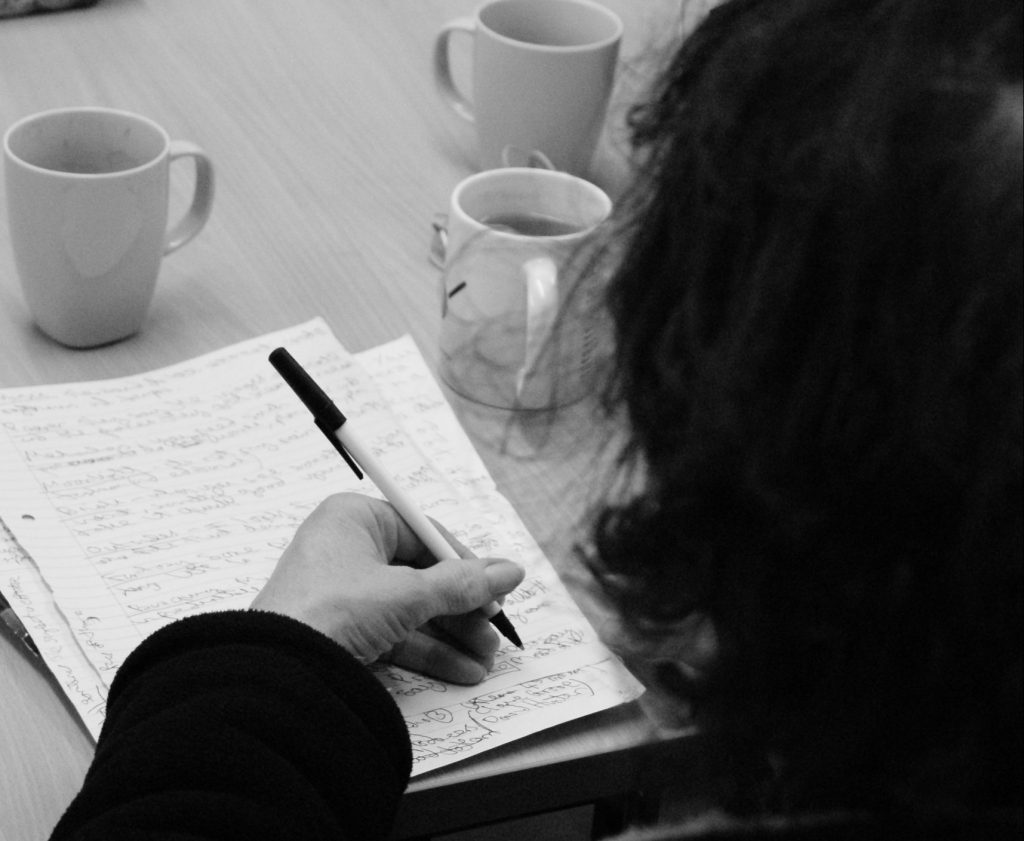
[(818, 317)]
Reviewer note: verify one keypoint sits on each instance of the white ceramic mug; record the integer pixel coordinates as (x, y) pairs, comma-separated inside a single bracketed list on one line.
[(542, 74), (516, 333), (87, 199)]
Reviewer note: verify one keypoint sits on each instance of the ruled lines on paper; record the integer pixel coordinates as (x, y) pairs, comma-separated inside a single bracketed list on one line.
[(136, 501)]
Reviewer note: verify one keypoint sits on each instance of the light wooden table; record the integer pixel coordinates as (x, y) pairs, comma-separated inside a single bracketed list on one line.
[(333, 153)]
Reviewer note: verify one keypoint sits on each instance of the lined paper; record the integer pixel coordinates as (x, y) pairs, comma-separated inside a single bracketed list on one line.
[(136, 501)]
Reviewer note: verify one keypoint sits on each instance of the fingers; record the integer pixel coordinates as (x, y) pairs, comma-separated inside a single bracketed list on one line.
[(461, 585), (372, 525), (410, 550), (470, 632), (435, 657), (397, 541), (340, 575)]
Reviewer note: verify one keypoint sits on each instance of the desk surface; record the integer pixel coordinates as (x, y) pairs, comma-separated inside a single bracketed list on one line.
[(333, 153)]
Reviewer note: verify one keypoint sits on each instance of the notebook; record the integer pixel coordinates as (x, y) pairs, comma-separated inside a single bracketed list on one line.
[(129, 503)]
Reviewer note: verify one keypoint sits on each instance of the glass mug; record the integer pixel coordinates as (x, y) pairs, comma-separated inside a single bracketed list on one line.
[(516, 331)]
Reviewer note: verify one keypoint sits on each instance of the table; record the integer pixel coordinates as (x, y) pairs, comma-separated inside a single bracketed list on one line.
[(333, 154)]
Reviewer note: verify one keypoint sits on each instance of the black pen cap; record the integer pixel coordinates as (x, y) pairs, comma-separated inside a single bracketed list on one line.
[(321, 406)]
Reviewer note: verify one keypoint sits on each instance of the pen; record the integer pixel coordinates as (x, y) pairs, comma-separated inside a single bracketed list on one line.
[(338, 429), (16, 627)]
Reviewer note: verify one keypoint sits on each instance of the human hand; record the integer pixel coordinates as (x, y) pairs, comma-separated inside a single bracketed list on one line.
[(356, 572)]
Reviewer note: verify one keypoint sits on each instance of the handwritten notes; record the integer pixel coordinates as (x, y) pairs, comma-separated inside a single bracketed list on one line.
[(32, 600), (136, 501)]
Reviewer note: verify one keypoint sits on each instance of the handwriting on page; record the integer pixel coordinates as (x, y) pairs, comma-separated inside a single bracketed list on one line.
[(28, 594), (454, 730), (149, 498)]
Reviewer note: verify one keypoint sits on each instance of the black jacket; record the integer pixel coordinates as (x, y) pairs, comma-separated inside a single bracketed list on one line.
[(243, 725)]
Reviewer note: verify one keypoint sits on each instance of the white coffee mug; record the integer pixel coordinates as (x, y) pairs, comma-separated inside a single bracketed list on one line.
[(87, 199), (516, 333), (542, 75)]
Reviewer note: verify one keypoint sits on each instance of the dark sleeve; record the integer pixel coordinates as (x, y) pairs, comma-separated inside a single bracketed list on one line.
[(247, 725)]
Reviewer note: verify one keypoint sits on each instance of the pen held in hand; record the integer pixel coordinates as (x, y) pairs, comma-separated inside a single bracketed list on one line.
[(339, 431)]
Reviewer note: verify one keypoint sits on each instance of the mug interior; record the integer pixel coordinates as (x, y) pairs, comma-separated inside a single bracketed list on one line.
[(551, 23), (577, 204), (86, 141)]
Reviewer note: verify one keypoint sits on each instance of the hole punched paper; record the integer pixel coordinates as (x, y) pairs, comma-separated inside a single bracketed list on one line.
[(131, 502)]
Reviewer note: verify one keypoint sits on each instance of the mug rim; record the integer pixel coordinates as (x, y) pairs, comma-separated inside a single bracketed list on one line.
[(38, 116), (537, 174), (600, 43)]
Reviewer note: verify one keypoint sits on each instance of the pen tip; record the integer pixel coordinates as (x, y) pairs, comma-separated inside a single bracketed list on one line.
[(506, 628)]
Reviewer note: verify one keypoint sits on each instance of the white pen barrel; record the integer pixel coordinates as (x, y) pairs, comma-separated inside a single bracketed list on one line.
[(403, 503), (425, 530)]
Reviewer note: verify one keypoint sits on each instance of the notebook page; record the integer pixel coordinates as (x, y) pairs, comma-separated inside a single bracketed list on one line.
[(32, 601), (564, 671), (157, 496)]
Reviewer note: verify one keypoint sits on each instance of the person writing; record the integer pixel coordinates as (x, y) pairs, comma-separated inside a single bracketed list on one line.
[(816, 294), (265, 723)]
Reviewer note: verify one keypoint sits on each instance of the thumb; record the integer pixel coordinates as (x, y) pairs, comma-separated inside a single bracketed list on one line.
[(464, 584)]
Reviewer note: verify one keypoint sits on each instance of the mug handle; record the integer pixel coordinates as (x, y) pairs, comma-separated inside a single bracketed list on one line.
[(541, 308), (202, 199), (516, 157), (443, 69)]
